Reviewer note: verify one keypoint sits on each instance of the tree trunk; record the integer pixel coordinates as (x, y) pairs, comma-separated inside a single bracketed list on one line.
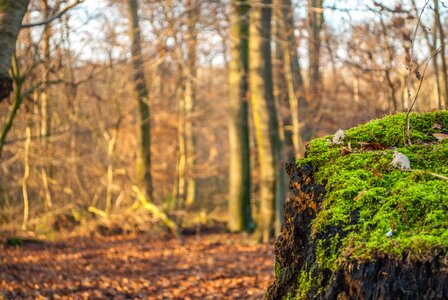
[(11, 15), (180, 187), (26, 174), (44, 108), (144, 151), (388, 68), (442, 50), (292, 75), (190, 99), (240, 215), (432, 46), (315, 24), (264, 112)]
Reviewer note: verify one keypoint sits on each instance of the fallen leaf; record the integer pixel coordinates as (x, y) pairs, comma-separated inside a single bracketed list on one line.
[(371, 146), (440, 136), (377, 173), (437, 126), (345, 151)]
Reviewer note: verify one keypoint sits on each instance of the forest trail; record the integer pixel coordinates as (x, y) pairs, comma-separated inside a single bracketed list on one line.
[(214, 266)]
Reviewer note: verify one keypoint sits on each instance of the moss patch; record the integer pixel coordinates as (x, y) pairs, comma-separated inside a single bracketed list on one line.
[(371, 208)]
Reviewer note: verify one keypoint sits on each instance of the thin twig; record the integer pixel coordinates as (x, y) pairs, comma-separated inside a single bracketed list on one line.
[(54, 17), (434, 53), (408, 82), (428, 173)]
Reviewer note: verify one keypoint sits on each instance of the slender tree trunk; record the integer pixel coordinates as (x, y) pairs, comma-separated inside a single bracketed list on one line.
[(287, 96), (26, 174), (432, 45), (110, 168), (180, 186), (315, 24), (144, 151), (264, 112), (387, 72), (434, 61), (190, 99), (11, 15), (240, 215), (292, 75), (18, 99), (442, 50), (280, 86), (72, 91), (45, 114)]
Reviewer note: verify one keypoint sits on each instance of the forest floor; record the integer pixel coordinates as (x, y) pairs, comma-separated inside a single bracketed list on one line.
[(211, 266)]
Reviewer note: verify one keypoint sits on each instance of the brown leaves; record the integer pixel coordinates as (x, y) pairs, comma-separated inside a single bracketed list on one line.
[(440, 136), (377, 173), (346, 150), (371, 146), (139, 267), (374, 146)]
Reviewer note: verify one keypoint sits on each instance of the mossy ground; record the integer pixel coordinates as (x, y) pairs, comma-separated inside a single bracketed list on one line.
[(367, 197)]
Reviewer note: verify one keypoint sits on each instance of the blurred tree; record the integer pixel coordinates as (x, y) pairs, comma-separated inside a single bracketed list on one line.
[(315, 25), (45, 125), (240, 215), (144, 151), (286, 47), (190, 74), (264, 112), (441, 32)]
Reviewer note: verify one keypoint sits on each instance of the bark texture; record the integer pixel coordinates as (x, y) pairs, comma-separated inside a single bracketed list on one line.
[(264, 112), (382, 278), (144, 151), (315, 25), (190, 100), (240, 216), (286, 46), (11, 15)]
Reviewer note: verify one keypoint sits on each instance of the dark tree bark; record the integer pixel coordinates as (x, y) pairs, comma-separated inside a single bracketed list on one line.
[(11, 15), (144, 151), (240, 215)]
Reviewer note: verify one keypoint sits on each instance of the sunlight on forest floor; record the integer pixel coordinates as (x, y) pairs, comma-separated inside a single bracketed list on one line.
[(214, 266)]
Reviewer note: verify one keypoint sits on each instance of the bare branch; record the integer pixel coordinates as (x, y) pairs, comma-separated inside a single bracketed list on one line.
[(53, 17)]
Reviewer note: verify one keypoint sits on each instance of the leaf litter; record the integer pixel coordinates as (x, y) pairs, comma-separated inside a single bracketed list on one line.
[(213, 266)]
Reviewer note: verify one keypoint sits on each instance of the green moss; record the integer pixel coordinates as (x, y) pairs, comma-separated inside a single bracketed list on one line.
[(277, 269), (14, 241), (367, 197), (306, 281), (4, 6)]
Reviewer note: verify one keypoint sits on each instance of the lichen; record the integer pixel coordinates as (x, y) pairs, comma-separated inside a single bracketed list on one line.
[(371, 208)]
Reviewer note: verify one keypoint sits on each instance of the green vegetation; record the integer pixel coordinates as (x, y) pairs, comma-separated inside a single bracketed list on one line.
[(14, 241), (372, 208)]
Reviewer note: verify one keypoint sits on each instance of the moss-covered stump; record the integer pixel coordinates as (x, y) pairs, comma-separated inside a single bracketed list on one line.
[(368, 215)]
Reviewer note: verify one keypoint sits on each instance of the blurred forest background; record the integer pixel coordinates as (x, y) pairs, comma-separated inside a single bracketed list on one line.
[(133, 111)]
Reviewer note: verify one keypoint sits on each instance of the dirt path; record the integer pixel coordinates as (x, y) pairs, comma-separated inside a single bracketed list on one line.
[(217, 266)]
